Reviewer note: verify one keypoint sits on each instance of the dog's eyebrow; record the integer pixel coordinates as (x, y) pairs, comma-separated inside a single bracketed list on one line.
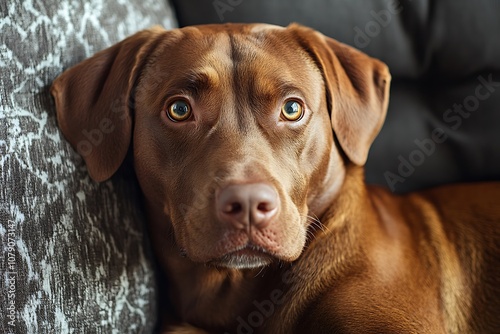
[(197, 81), (273, 91), (277, 89), (288, 88)]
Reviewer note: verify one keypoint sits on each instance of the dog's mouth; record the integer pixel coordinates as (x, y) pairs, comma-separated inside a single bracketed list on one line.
[(246, 257)]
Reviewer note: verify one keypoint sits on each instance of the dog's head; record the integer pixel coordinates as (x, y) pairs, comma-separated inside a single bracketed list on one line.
[(231, 130)]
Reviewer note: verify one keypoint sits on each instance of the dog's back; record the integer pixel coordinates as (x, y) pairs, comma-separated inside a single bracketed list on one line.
[(451, 237), (463, 223)]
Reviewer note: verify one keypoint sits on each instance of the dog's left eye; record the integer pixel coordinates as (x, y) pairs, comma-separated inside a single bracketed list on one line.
[(292, 110), (179, 110)]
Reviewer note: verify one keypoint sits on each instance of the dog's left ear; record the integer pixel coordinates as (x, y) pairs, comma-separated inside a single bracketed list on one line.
[(93, 101), (357, 88)]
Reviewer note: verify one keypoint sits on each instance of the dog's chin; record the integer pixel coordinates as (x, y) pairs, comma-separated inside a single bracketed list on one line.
[(246, 258)]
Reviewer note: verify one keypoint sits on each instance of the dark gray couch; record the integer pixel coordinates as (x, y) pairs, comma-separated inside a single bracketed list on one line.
[(438, 52), (75, 256)]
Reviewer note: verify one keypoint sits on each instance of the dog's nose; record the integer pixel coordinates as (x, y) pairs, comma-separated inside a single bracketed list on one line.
[(242, 205)]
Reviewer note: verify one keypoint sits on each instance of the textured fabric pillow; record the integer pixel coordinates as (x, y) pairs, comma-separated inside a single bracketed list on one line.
[(73, 253)]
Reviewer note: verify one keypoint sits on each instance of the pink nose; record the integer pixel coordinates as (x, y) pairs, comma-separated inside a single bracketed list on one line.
[(242, 205)]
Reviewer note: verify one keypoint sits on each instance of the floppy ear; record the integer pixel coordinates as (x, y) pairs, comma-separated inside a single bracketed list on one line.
[(93, 101), (357, 88)]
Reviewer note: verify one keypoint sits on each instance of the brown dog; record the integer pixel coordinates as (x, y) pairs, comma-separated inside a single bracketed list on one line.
[(258, 211)]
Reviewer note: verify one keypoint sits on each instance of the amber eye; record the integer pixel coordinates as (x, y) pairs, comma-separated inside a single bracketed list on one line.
[(179, 110), (292, 110)]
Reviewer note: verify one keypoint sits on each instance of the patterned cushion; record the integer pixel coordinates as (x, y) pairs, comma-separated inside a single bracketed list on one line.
[(73, 252)]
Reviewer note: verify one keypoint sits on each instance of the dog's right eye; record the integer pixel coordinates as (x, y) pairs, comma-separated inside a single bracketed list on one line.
[(292, 110), (179, 110)]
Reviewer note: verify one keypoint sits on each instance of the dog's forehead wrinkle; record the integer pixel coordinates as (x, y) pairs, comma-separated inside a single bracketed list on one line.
[(252, 83), (218, 56), (259, 80)]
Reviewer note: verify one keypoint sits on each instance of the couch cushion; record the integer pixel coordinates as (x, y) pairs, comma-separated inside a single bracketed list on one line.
[(75, 251), (438, 52)]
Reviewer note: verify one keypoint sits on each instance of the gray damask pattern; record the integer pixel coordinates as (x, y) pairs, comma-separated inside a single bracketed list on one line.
[(73, 255)]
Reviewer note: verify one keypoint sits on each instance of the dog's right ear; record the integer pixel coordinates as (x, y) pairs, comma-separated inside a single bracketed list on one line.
[(93, 101)]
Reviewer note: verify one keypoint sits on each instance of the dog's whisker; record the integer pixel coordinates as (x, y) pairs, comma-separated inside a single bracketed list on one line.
[(322, 226), (315, 225), (317, 222), (310, 235), (260, 271)]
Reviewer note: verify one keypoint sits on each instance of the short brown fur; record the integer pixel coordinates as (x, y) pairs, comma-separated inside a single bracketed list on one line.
[(343, 257)]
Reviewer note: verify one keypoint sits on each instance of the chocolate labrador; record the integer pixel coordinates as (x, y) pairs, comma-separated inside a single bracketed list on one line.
[(248, 142)]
